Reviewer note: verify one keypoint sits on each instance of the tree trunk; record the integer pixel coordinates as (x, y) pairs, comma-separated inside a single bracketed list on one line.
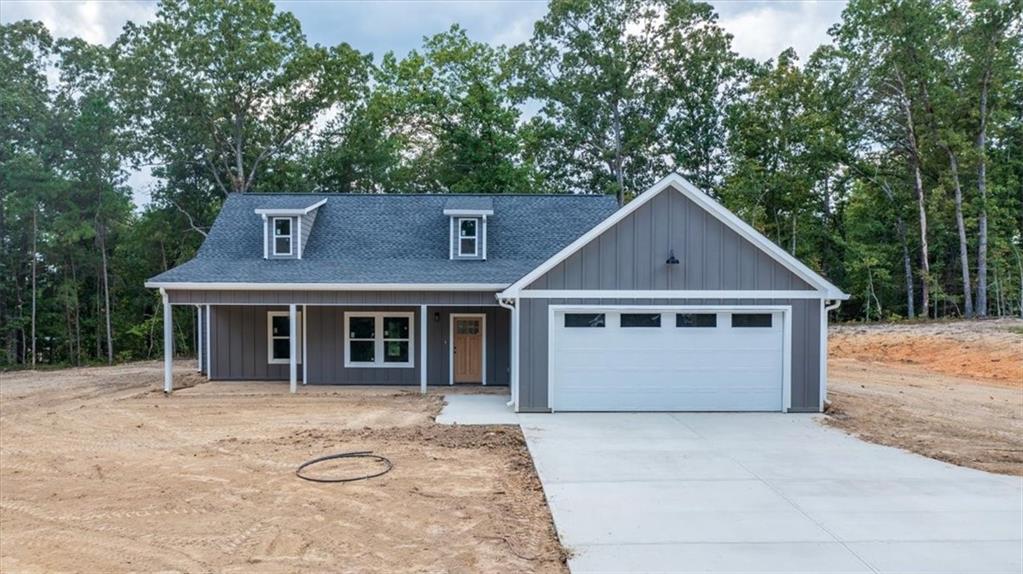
[(1019, 266), (78, 314), (907, 265), (982, 191), (35, 235), (240, 185), (792, 249), (106, 294), (618, 155), (964, 253), (921, 202)]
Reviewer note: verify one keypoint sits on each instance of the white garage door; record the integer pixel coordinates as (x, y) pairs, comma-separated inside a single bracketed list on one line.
[(608, 359)]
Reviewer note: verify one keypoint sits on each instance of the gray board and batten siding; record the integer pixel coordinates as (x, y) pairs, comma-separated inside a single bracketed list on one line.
[(239, 345), (632, 255)]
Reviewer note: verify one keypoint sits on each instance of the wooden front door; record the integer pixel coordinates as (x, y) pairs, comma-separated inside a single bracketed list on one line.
[(467, 353)]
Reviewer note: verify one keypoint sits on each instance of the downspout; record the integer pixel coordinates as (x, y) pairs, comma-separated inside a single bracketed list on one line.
[(512, 305), (824, 348)]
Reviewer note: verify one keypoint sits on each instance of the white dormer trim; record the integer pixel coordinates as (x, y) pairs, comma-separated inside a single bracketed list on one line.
[(484, 235), (298, 235), (468, 212), (266, 237), (451, 239), (286, 212)]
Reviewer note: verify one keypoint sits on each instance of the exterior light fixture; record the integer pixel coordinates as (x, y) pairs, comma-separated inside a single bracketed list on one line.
[(672, 260)]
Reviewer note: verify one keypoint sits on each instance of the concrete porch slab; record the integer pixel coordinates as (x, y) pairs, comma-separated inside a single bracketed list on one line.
[(477, 410)]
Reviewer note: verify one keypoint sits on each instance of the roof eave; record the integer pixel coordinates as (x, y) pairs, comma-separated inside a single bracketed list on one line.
[(241, 286)]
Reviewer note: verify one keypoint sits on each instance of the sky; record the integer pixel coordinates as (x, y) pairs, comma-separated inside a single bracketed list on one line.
[(761, 29)]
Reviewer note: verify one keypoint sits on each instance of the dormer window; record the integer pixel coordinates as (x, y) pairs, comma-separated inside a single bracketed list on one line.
[(468, 237), (287, 227), (468, 215), (282, 236)]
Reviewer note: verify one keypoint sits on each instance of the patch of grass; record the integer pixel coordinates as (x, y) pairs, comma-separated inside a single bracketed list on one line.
[(1016, 330)]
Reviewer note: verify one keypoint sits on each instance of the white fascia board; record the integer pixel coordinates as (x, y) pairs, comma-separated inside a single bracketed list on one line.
[(195, 286), (468, 212), (675, 181), (285, 212), (678, 294)]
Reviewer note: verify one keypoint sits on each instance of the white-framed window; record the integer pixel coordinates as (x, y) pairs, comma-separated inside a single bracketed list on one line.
[(278, 337), (468, 237), (379, 339), (282, 237)]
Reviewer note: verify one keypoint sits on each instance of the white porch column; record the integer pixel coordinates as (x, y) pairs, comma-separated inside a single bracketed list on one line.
[(198, 338), (208, 356), (293, 351), (168, 344), (305, 347), (422, 348), (515, 354)]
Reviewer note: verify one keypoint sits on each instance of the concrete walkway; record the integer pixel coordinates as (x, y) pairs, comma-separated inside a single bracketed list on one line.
[(762, 493)]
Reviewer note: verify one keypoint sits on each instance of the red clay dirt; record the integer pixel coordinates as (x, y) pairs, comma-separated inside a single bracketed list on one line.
[(990, 350), (952, 391)]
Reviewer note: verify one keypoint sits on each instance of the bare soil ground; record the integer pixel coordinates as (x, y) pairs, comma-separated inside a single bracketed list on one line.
[(951, 390), (99, 472)]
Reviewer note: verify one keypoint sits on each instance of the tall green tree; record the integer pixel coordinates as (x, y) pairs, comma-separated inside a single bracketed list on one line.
[(440, 119), (229, 85), (591, 65)]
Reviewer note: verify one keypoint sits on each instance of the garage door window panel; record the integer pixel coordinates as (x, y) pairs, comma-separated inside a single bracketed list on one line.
[(743, 320), (585, 320), (649, 320), (686, 320)]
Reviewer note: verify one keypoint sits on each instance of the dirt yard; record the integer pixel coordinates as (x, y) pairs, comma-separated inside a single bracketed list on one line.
[(99, 472), (951, 390)]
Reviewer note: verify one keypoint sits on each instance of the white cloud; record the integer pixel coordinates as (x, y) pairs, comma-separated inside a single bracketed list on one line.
[(762, 30), (95, 21)]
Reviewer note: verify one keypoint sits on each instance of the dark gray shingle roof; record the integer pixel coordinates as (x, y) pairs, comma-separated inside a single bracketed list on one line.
[(389, 238), (469, 202)]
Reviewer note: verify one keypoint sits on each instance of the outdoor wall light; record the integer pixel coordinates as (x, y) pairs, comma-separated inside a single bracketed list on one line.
[(672, 260), (436, 317)]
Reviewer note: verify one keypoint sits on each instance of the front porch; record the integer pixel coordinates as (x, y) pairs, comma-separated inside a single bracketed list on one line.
[(361, 339)]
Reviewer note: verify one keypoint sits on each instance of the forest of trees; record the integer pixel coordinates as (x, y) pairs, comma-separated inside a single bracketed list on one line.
[(891, 159)]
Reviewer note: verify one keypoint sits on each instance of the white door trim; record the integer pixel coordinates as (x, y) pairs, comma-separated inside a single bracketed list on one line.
[(785, 310), (451, 344)]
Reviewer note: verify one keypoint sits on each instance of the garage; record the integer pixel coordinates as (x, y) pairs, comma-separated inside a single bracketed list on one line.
[(668, 359)]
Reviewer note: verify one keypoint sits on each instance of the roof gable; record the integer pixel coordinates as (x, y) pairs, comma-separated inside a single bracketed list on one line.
[(740, 258)]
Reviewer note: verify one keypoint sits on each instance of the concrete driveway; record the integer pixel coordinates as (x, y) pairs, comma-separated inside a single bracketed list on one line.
[(763, 493)]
